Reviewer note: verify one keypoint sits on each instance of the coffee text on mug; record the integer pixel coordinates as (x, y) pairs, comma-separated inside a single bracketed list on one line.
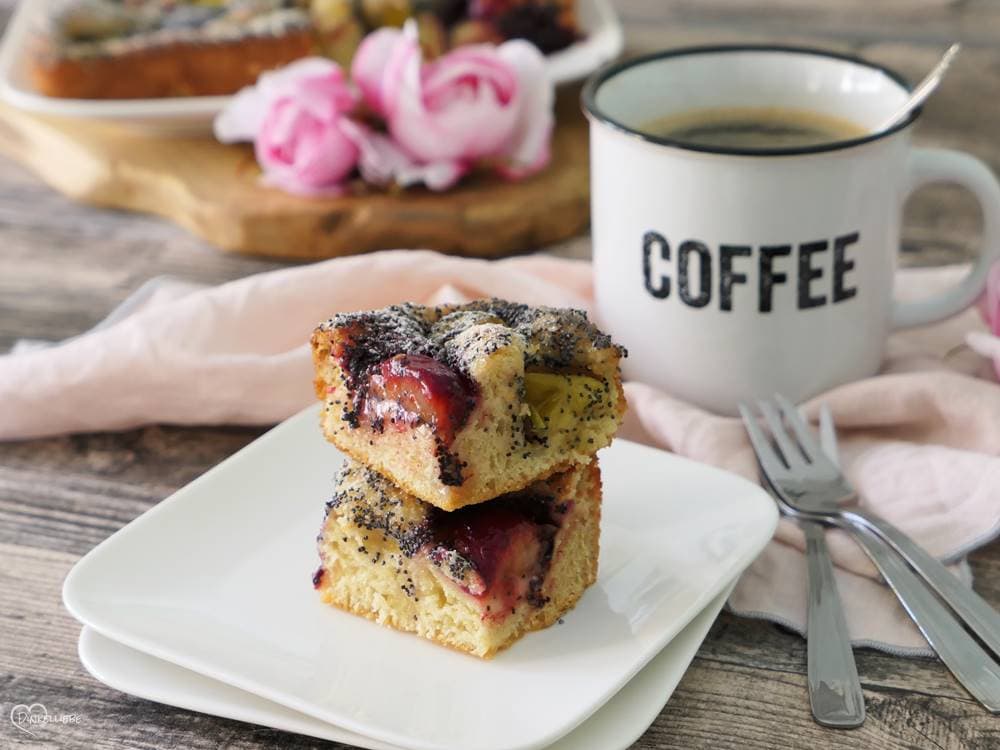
[(695, 260)]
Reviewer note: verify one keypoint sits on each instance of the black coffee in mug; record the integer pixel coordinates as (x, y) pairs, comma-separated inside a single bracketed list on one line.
[(753, 127)]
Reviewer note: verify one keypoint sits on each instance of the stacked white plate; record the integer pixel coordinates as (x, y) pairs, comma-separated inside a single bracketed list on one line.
[(206, 602)]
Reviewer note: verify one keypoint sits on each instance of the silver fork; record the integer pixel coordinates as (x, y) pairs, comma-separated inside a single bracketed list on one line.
[(835, 695), (807, 484)]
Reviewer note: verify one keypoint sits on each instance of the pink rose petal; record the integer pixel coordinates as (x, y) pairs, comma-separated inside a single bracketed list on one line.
[(529, 149), (457, 109), (241, 119), (296, 118), (369, 63), (383, 162), (321, 81), (989, 304)]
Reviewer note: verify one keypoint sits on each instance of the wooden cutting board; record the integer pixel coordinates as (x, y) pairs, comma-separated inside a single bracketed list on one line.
[(212, 190)]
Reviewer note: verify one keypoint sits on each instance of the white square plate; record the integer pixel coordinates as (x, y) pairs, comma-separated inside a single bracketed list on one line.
[(615, 726), (217, 579), (602, 41)]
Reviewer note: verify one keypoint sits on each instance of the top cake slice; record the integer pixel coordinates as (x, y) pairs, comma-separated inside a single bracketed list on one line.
[(461, 403)]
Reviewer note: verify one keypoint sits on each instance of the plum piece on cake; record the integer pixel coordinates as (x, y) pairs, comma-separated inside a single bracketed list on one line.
[(475, 579), (461, 403)]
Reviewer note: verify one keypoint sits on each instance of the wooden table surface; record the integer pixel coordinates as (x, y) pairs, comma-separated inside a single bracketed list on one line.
[(64, 266)]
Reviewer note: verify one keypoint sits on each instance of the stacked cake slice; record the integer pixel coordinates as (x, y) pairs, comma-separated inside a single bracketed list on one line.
[(469, 509)]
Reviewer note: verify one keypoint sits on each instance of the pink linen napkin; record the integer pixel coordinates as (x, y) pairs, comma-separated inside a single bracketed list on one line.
[(920, 441)]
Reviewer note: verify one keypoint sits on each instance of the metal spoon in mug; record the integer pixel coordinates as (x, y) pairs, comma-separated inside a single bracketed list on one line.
[(924, 89)]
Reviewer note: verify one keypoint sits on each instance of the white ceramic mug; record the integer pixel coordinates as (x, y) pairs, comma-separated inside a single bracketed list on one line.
[(732, 274)]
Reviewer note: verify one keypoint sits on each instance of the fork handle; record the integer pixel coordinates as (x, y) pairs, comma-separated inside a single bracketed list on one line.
[(834, 688), (971, 608), (972, 666)]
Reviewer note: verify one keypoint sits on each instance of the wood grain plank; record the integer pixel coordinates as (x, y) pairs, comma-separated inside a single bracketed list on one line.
[(975, 23), (39, 635), (63, 266), (723, 706), (66, 513), (761, 646), (162, 457)]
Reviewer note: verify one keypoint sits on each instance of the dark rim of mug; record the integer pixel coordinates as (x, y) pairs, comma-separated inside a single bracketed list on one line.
[(589, 99)]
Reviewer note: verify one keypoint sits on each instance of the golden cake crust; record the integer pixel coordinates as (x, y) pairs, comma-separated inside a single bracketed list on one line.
[(179, 69), (107, 49)]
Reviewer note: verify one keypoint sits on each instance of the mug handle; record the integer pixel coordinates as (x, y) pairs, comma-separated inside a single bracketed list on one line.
[(927, 165)]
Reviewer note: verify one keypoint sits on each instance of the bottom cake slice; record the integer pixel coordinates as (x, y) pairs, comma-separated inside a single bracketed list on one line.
[(475, 579)]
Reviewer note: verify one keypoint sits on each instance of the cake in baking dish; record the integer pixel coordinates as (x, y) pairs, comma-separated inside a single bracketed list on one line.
[(461, 403), (127, 49), (474, 579)]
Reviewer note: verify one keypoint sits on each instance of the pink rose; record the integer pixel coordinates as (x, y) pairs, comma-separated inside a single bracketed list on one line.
[(988, 344), (475, 103), (297, 118)]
